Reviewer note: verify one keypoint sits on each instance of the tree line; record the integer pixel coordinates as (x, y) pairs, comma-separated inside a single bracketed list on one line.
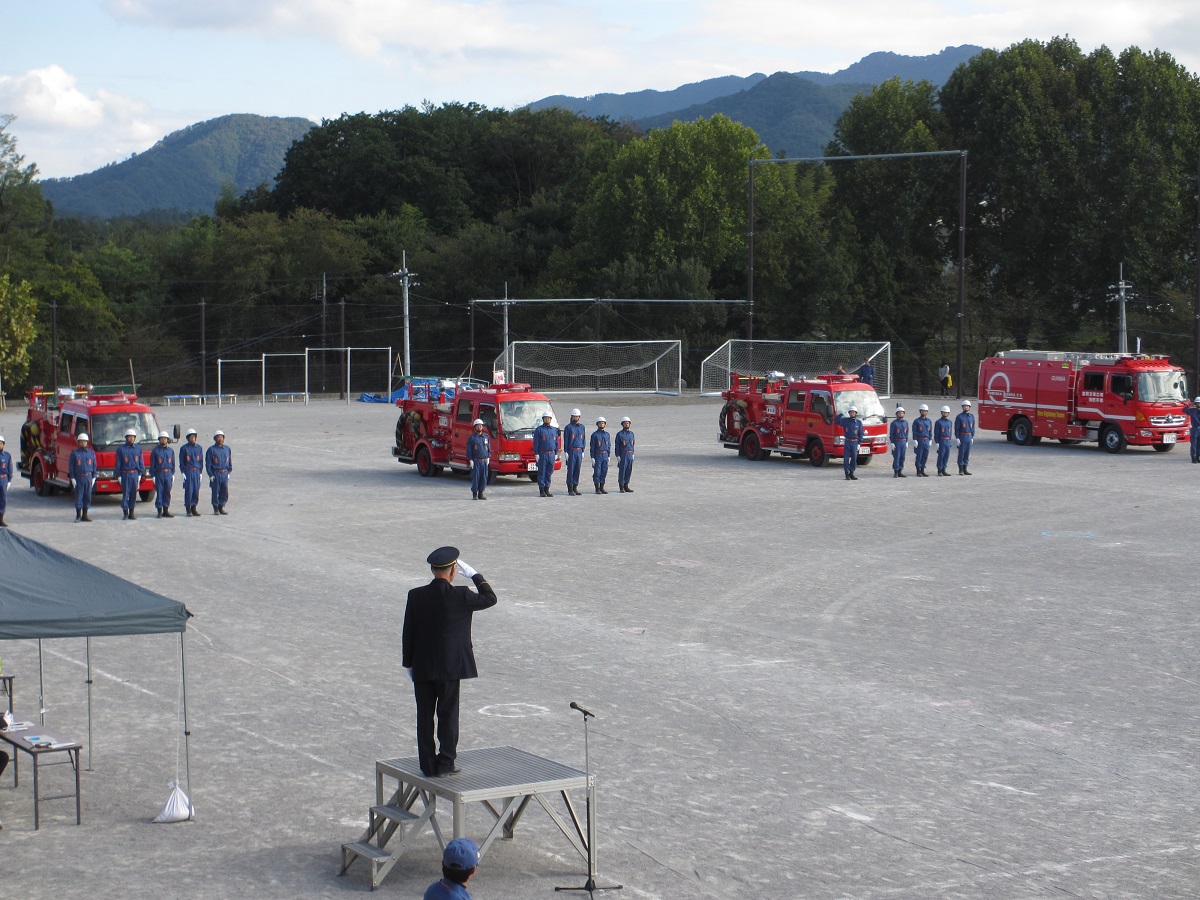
[(1078, 164)]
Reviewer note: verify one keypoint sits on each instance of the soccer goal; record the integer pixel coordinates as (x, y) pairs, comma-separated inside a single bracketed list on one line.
[(617, 366), (799, 359)]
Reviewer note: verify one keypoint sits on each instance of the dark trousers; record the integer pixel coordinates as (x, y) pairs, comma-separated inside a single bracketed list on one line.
[(438, 698)]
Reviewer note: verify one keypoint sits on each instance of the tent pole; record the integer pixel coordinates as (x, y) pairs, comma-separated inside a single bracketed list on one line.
[(187, 753), (89, 684), (41, 688)]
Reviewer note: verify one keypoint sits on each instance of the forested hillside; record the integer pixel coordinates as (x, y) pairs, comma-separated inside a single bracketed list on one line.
[(185, 171), (1077, 163)]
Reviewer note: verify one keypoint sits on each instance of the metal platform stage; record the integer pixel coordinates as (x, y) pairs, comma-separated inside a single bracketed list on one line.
[(503, 779)]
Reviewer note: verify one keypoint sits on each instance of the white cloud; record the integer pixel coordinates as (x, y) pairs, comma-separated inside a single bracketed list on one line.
[(58, 124)]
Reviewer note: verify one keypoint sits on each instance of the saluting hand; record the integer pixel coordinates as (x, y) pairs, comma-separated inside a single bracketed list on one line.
[(466, 569)]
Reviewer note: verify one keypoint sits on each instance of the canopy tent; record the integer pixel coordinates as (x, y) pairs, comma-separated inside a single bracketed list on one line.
[(47, 594)]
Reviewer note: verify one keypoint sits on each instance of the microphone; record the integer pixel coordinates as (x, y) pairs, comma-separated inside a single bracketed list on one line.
[(585, 712)]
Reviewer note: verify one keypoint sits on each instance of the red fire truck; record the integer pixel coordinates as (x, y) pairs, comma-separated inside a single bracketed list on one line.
[(435, 423), (1113, 398), (53, 420), (772, 413)]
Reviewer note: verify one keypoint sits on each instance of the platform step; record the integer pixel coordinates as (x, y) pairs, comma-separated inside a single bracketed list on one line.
[(368, 850), (395, 813)]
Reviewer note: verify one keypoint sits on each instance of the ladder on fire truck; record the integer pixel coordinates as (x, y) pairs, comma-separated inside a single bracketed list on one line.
[(1076, 357)]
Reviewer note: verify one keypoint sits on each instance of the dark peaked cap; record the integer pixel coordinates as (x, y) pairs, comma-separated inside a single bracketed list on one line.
[(443, 557)]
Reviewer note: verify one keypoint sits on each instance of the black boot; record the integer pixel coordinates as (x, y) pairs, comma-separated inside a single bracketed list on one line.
[(158, 513), (962, 470), (221, 511), (216, 510), (195, 511), (78, 515), (548, 494), (847, 476), (167, 513), (628, 489), (3, 524), (481, 497), (86, 517), (474, 495), (602, 490), (598, 488), (966, 471), (132, 514), (853, 477)]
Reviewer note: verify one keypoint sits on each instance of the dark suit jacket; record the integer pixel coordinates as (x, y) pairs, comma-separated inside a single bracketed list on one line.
[(437, 629)]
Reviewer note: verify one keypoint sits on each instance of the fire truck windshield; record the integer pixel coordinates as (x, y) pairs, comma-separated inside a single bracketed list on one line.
[(518, 418), (108, 429), (1162, 387), (870, 410)]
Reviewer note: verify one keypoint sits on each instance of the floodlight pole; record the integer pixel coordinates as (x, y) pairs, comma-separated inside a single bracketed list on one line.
[(962, 232)]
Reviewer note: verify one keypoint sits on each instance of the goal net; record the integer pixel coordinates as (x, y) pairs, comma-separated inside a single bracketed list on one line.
[(629, 366), (799, 359)]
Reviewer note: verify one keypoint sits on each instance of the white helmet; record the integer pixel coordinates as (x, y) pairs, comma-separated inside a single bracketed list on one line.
[(576, 412), (899, 409), (190, 432), (218, 434), (945, 409), (602, 419), (966, 403), (477, 422), (163, 434), (2, 441), (852, 409), (129, 432), (923, 408), (1197, 400), (82, 436), (626, 419)]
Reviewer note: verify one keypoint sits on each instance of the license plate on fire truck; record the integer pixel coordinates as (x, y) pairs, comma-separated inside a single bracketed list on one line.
[(1169, 437), (531, 467)]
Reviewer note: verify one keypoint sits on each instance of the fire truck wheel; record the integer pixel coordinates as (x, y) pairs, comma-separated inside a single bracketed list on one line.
[(1164, 448), (1111, 439), (491, 476), (532, 476), (863, 460), (145, 495), (425, 466), (1021, 431), (752, 447), (816, 453), (38, 478)]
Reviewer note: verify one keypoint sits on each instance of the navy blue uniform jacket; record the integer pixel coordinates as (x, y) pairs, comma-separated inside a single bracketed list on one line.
[(437, 629)]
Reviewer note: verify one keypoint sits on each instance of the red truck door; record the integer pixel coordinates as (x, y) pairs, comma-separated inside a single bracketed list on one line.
[(1118, 399), (795, 419), (464, 415), (66, 443)]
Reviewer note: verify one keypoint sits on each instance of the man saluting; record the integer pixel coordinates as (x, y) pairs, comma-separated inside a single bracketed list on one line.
[(437, 652)]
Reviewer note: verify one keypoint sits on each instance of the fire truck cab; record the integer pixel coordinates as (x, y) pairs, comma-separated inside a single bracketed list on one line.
[(1112, 398), (433, 428), (799, 418), (55, 418)]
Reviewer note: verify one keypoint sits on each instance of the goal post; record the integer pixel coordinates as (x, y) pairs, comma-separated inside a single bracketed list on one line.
[(615, 366), (799, 359)]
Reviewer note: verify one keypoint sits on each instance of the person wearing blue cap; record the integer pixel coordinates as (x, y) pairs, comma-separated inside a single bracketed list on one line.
[(436, 649), (459, 861)]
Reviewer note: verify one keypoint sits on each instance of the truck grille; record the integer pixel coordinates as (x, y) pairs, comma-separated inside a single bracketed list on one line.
[(1168, 421)]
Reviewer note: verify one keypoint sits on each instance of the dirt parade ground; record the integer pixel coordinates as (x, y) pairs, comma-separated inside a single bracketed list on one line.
[(956, 687)]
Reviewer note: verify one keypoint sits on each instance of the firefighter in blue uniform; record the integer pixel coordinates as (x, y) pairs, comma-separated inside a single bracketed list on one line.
[(129, 473), (964, 430), (922, 432), (191, 465), (479, 452), (162, 470), (574, 443), (5, 479), (943, 433), (218, 465), (1193, 413), (624, 440), (898, 435), (866, 373), (545, 445), (852, 434), (601, 446), (81, 469)]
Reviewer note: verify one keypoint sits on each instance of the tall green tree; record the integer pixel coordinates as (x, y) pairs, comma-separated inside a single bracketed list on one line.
[(18, 328)]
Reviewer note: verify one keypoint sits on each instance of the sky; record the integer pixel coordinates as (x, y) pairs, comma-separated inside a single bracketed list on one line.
[(92, 82)]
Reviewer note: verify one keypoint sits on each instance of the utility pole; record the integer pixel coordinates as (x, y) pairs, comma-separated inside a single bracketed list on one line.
[(1120, 287), (342, 356), (407, 280), (324, 332), (203, 353), (54, 344)]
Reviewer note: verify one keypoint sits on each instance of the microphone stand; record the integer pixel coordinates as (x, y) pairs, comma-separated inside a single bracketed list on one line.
[(590, 885)]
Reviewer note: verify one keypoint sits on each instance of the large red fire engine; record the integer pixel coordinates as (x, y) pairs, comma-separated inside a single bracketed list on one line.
[(772, 413), (434, 426), (53, 420), (1113, 398)]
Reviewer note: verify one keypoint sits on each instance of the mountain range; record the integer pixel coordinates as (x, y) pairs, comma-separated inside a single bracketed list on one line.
[(794, 113)]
